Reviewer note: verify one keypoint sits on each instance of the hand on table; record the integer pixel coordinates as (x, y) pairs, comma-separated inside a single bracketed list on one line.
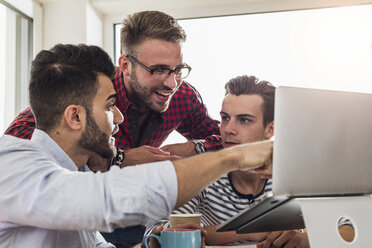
[(285, 239), (146, 154), (181, 149)]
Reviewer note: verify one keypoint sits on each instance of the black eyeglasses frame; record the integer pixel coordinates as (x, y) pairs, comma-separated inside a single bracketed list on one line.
[(152, 70)]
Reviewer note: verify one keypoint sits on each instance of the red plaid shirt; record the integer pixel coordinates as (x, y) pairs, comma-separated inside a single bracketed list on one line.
[(186, 113)]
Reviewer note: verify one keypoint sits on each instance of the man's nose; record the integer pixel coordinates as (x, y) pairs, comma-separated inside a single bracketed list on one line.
[(230, 128), (118, 116), (170, 81)]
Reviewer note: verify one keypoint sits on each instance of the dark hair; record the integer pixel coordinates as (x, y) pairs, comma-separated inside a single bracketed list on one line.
[(149, 25), (250, 85), (64, 75)]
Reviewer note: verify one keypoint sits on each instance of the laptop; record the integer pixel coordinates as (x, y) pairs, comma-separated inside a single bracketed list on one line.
[(322, 148)]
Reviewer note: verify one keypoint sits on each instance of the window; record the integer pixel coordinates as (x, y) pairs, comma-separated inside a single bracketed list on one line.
[(322, 48), (16, 51)]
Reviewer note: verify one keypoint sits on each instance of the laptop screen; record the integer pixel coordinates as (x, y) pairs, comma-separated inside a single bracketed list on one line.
[(322, 147), (323, 142)]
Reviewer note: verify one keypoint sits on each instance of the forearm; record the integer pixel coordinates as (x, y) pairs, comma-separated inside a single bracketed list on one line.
[(197, 172)]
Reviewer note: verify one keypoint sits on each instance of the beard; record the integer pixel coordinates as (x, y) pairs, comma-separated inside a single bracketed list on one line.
[(142, 95), (93, 139)]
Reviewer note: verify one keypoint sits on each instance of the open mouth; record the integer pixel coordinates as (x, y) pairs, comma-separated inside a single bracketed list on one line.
[(163, 96)]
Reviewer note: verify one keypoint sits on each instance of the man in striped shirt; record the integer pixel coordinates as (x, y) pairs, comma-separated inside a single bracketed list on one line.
[(247, 115)]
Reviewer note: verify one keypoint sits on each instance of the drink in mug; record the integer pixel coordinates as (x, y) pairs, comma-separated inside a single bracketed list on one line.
[(178, 219)]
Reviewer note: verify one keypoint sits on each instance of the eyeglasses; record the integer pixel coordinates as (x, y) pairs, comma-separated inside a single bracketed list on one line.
[(162, 73)]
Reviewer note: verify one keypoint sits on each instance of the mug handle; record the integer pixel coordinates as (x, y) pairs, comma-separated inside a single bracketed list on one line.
[(149, 236)]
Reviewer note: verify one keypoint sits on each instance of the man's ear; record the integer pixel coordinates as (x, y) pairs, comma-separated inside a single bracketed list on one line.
[(269, 130), (124, 64), (75, 117)]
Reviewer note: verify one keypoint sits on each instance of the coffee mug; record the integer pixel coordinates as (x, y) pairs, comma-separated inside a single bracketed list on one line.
[(177, 238), (178, 219)]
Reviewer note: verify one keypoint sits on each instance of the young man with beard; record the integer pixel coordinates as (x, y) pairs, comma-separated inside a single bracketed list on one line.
[(152, 95), (247, 115), (153, 98), (45, 198)]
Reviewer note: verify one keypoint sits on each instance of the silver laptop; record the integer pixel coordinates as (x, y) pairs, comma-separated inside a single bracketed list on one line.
[(322, 147)]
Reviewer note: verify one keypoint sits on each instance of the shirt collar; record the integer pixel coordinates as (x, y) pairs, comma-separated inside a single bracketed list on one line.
[(119, 86), (50, 146)]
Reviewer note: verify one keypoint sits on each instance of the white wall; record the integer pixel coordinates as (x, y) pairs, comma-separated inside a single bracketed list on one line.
[(93, 26), (25, 6), (71, 21), (32, 9), (108, 34), (64, 22), (38, 27)]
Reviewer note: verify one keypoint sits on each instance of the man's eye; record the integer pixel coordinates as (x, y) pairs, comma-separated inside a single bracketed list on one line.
[(160, 70), (224, 118), (244, 120)]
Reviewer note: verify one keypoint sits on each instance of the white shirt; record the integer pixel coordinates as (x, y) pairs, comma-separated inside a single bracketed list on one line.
[(46, 202)]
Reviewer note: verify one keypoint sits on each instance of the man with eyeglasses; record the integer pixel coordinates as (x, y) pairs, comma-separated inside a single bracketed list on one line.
[(152, 97)]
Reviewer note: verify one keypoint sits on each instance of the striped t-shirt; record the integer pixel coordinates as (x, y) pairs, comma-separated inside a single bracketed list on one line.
[(218, 203)]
